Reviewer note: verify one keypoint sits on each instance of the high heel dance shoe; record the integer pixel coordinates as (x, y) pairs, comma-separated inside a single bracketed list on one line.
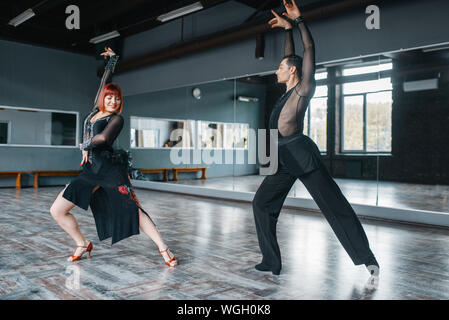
[(172, 259), (89, 248)]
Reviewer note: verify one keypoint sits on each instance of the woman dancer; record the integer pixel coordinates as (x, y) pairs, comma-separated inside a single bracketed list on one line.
[(104, 183)]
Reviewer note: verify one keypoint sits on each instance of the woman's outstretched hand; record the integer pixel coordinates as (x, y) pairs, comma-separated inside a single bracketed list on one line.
[(292, 10), (108, 52), (279, 21), (84, 160)]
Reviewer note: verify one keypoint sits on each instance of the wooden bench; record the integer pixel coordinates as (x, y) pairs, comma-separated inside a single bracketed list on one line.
[(157, 170), (47, 173), (176, 170), (16, 174)]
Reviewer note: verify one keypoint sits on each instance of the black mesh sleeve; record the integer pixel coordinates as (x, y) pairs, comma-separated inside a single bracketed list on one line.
[(107, 136), (307, 83), (107, 75), (289, 47)]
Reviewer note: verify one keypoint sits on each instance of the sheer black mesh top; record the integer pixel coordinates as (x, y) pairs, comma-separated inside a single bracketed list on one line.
[(289, 111)]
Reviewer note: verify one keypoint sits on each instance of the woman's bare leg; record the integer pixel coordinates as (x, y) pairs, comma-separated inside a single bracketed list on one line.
[(60, 212), (148, 227)]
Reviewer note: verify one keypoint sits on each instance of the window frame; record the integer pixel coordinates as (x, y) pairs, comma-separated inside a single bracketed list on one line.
[(321, 82), (342, 125)]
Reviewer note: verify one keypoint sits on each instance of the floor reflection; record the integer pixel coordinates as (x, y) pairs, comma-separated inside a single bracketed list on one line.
[(216, 245), (367, 192)]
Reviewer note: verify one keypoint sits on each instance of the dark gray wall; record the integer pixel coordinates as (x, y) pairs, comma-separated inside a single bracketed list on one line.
[(36, 77), (404, 24)]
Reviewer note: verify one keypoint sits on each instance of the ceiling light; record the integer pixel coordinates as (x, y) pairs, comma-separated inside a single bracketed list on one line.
[(345, 63), (247, 99), (266, 73), (435, 49), (104, 37), (21, 18), (180, 12)]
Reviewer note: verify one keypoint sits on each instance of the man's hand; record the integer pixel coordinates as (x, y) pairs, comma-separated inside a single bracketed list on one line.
[(108, 52), (292, 10), (279, 21)]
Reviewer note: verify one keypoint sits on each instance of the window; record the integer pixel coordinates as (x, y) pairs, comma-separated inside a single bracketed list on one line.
[(38, 127), (157, 133), (366, 112), (351, 71), (315, 119), (222, 135), (210, 134), (235, 136)]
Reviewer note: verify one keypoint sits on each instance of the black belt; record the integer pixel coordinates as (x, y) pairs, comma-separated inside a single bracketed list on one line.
[(291, 138)]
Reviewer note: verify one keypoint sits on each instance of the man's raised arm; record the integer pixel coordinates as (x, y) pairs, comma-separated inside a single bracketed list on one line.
[(307, 86), (281, 22)]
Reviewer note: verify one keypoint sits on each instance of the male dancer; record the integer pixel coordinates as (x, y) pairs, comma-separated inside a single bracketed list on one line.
[(299, 157)]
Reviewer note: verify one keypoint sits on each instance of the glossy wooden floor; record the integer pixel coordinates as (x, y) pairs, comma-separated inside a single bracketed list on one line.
[(216, 244), (385, 194)]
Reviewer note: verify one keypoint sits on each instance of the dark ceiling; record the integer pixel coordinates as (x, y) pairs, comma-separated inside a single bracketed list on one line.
[(47, 27)]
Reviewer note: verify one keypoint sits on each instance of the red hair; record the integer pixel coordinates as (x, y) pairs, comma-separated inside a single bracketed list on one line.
[(110, 89)]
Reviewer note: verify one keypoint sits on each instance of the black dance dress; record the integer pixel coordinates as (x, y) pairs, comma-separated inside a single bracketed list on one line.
[(114, 205)]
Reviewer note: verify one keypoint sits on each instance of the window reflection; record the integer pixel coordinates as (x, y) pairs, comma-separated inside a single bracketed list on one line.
[(223, 135), (315, 119), (157, 133), (165, 133), (23, 126)]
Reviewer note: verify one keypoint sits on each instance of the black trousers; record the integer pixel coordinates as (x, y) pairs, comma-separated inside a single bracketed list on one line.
[(270, 197)]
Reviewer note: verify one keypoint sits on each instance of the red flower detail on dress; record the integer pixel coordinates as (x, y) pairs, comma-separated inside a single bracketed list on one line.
[(123, 189)]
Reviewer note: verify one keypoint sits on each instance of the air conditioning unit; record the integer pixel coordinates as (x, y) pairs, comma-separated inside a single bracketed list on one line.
[(420, 85)]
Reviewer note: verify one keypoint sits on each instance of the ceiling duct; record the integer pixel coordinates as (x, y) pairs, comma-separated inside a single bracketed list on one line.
[(239, 33)]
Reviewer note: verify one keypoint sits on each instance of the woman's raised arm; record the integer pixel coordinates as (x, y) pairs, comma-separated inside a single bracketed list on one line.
[(108, 71)]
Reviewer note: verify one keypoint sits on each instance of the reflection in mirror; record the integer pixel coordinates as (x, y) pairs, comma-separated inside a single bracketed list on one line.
[(223, 135), (156, 133), (367, 107), (22, 126), (315, 119), (415, 175), (378, 110), (379, 126)]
